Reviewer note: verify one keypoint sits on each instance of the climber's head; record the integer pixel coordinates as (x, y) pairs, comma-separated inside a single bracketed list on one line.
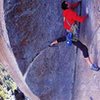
[(65, 5)]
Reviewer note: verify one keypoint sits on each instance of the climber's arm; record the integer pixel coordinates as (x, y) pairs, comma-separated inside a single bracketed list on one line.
[(75, 5), (78, 18)]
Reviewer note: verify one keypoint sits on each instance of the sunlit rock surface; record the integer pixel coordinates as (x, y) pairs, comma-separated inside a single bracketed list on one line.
[(56, 73), (87, 82)]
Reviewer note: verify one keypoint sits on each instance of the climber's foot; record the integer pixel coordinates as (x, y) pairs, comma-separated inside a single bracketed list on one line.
[(94, 67), (53, 44)]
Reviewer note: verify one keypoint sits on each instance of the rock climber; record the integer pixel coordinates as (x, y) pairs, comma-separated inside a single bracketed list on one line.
[(70, 17)]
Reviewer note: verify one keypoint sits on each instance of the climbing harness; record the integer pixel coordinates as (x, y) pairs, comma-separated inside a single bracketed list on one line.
[(73, 35)]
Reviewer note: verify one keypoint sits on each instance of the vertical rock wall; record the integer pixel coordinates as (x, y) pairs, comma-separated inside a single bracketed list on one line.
[(32, 25), (50, 72), (87, 82), (8, 62)]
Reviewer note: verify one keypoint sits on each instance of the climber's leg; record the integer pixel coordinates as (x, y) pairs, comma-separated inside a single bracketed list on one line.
[(84, 49), (61, 39)]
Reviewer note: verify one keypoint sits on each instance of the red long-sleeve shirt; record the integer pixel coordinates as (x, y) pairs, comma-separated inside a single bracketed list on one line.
[(71, 16)]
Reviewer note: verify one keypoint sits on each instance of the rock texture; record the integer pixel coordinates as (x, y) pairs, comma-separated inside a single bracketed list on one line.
[(53, 73), (31, 26), (87, 82), (8, 62)]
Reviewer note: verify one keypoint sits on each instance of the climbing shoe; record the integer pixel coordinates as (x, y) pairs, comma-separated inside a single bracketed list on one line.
[(94, 67), (52, 45)]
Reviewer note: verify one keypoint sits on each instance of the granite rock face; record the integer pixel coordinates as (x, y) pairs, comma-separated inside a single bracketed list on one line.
[(56, 73), (32, 25), (87, 82)]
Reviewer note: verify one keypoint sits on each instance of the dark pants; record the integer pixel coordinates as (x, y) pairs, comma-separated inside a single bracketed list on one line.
[(78, 44)]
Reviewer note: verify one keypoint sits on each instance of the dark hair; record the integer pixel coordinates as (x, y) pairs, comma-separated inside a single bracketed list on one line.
[(64, 6)]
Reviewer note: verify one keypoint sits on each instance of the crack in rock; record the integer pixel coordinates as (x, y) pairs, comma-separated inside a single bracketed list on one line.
[(38, 54)]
